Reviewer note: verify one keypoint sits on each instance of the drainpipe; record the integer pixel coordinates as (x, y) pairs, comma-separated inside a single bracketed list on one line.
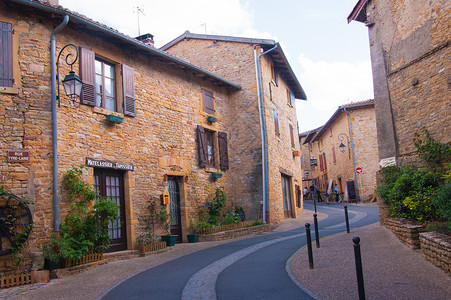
[(56, 226), (263, 132), (352, 146)]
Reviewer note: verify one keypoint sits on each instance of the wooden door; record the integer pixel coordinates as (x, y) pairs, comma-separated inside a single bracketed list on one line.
[(110, 184), (174, 206), (286, 191)]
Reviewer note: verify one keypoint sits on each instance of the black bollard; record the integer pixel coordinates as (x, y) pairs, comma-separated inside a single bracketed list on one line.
[(358, 267), (309, 245), (315, 222), (347, 218)]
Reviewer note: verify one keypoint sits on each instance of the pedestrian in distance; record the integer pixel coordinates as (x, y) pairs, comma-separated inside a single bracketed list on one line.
[(312, 190), (337, 194), (318, 193), (305, 192)]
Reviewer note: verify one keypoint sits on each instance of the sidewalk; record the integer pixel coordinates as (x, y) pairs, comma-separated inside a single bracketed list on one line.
[(391, 270)]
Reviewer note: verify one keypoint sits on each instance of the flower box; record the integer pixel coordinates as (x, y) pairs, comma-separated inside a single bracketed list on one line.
[(216, 175), (67, 263), (14, 280), (152, 247), (211, 119), (114, 119), (169, 239)]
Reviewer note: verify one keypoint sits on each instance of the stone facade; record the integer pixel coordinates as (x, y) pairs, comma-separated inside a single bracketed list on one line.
[(158, 142), (436, 248), (236, 58), (410, 53), (338, 167)]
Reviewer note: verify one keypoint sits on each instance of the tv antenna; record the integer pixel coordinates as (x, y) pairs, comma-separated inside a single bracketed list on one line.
[(138, 11)]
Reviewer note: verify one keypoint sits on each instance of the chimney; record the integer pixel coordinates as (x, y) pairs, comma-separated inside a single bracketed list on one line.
[(53, 2), (146, 39)]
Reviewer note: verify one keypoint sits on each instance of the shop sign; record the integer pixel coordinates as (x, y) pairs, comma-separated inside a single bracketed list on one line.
[(90, 162), (18, 156)]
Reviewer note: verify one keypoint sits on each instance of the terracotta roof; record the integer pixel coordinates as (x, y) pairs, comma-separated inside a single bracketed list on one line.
[(369, 101), (85, 23), (278, 56)]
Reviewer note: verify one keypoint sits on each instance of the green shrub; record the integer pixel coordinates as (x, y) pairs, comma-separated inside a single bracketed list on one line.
[(230, 217)]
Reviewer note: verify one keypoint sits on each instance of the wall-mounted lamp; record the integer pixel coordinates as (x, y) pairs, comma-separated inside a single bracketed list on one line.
[(72, 83), (342, 146)]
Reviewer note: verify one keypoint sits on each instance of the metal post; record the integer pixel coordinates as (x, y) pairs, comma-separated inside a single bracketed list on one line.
[(309, 245), (358, 267), (347, 218), (315, 222)]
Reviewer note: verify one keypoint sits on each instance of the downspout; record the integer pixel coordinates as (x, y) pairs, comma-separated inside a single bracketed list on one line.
[(54, 123), (352, 146), (263, 132)]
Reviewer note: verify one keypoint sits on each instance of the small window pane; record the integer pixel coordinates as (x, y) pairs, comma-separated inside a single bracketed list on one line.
[(98, 67), (110, 103), (99, 100), (109, 87), (109, 71), (98, 83)]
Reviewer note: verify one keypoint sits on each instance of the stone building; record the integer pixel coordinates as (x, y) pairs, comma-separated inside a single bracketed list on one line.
[(410, 57), (348, 141), (178, 125), (269, 98)]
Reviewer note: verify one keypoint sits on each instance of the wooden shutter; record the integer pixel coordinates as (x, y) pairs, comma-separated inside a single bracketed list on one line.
[(201, 146), (88, 76), (208, 102), (276, 122), (321, 166), (128, 84), (223, 153), (292, 136), (6, 57), (324, 161)]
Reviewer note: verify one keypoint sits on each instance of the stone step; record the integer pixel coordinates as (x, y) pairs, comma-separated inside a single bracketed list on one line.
[(120, 255)]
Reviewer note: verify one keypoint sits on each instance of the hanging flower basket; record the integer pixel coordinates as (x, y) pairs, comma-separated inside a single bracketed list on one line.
[(216, 175), (211, 119), (114, 119)]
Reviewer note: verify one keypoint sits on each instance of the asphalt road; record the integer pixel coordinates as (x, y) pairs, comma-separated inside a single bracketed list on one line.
[(253, 268)]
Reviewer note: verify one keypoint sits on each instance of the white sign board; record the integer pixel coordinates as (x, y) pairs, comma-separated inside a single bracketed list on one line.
[(387, 162)]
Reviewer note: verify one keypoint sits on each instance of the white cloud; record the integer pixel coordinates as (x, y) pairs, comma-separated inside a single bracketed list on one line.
[(330, 84)]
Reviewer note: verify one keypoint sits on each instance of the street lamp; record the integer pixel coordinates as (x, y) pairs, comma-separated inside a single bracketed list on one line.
[(72, 83), (342, 146)]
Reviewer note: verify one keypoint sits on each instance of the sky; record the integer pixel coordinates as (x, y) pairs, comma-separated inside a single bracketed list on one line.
[(330, 57)]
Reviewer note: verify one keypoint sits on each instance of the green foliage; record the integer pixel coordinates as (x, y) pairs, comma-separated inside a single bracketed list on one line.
[(440, 227), (430, 150), (147, 238), (230, 217), (421, 194), (257, 222), (215, 205), (85, 229)]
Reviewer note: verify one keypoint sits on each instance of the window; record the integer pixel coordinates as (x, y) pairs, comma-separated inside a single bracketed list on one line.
[(208, 102), (333, 154), (105, 85), (292, 136), (274, 75), (290, 98), (270, 91), (6, 55), (276, 122), (100, 82), (207, 145), (210, 140)]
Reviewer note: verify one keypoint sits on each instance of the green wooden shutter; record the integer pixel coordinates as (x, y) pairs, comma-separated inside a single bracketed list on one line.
[(129, 90), (201, 146), (88, 76), (6, 58), (223, 152)]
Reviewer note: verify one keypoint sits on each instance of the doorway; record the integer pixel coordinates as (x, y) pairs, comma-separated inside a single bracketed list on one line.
[(110, 184), (174, 206), (286, 191)]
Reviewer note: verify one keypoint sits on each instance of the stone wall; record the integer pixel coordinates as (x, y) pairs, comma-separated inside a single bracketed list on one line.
[(436, 248), (408, 232), (236, 61)]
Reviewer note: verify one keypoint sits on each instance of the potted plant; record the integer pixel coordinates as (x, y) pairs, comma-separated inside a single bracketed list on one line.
[(194, 229), (164, 219), (115, 118), (51, 253)]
